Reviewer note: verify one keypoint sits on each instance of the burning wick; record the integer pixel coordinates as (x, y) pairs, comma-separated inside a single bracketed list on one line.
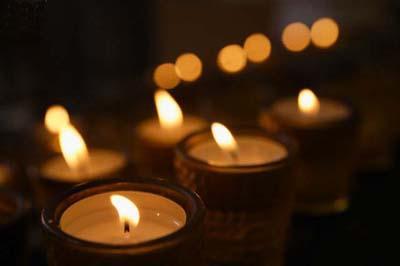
[(127, 228), (225, 140), (127, 211)]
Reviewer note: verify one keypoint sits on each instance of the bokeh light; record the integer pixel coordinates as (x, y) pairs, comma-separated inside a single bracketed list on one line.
[(56, 118), (165, 76), (188, 67), (296, 37), (257, 47), (324, 32), (232, 58)]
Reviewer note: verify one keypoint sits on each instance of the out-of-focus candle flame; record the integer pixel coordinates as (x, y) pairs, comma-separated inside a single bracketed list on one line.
[(232, 58), (308, 102), (296, 37), (257, 47), (188, 67), (165, 76), (169, 113), (128, 212), (73, 148), (56, 118), (324, 32), (224, 138)]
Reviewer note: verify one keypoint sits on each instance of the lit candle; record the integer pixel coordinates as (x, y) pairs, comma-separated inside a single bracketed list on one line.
[(123, 217), (76, 165), (243, 151), (148, 222), (326, 131), (157, 137), (246, 184)]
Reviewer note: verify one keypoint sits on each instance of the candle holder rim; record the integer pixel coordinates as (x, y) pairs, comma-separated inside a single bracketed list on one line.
[(51, 226), (21, 206), (285, 140)]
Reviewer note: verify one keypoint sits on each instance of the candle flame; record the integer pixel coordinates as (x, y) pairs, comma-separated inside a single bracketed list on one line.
[(308, 102), (73, 148), (56, 118), (169, 113), (224, 138), (128, 212)]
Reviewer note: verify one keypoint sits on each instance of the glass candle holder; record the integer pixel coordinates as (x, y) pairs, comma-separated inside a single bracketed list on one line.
[(327, 153), (154, 146), (158, 202), (248, 206), (13, 228), (53, 176)]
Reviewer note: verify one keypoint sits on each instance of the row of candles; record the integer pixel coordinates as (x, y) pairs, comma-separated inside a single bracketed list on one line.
[(245, 178), (296, 37)]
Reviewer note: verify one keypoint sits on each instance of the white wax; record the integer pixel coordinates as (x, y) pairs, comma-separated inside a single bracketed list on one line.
[(151, 131), (253, 150), (95, 219), (102, 163), (330, 111)]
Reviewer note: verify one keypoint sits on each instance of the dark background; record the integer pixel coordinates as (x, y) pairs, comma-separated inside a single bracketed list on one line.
[(96, 58)]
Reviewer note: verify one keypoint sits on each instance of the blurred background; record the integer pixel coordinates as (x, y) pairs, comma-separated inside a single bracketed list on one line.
[(97, 58)]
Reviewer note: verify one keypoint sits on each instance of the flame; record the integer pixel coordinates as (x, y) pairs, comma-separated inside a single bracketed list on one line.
[(169, 113), (224, 138), (127, 210), (308, 102), (56, 118), (73, 148)]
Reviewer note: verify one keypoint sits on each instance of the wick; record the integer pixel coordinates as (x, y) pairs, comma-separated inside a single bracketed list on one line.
[(126, 227), (234, 155)]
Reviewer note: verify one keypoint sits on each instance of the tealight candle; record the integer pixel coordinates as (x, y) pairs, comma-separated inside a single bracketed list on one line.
[(13, 226), (120, 222), (76, 165), (156, 138), (246, 184), (326, 132)]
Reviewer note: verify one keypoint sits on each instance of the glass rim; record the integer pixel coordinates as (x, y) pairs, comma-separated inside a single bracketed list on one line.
[(195, 212)]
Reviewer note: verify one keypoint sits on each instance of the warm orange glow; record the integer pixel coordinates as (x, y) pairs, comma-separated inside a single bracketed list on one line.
[(73, 148), (232, 58), (56, 118), (169, 113), (188, 67), (308, 102), (128, 212), (224, 138), (296, 37), (257, 47), (165, 76), (324, 32)]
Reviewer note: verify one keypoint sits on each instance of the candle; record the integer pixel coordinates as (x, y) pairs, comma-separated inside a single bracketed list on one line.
[(76, 165), (157, 137), (245, 181), (326, 131), (120, 222), (253, 150), (13, 227), (95, 219)]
